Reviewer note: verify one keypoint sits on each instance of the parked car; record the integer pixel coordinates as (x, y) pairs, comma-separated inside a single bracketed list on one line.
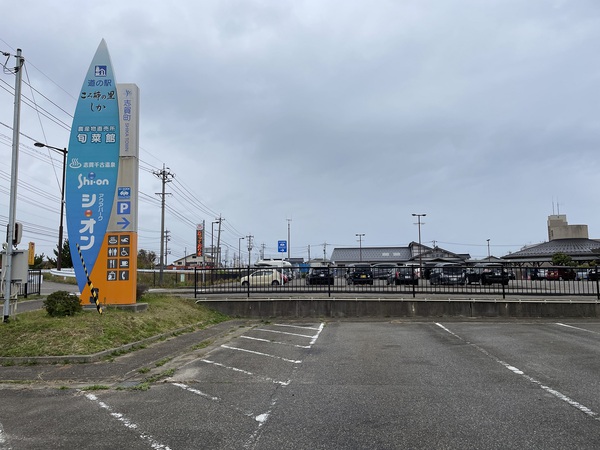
[(594, 275), (581, 274), (472, 275), (359, 274), (403, 275), (495, 276), (561, 274), (382, 271), (538, 274), (263, 277), (319, 275), (447, 274)]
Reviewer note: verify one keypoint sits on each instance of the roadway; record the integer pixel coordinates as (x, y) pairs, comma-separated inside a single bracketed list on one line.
[(388, 384)]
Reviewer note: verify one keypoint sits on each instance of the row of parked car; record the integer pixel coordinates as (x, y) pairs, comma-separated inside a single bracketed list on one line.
[(443, 273), (565, 274)]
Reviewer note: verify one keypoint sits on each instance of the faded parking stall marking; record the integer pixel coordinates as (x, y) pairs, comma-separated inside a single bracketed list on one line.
[(294, 361), (262, 418), (274, 342), (245, 372), (532, 380), (127, 423)]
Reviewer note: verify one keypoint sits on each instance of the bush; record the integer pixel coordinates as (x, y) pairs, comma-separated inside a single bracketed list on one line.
[(62, 303), (140, 290)]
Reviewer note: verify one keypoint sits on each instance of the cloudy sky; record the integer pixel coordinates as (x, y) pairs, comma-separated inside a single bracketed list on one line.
[(344, 116)]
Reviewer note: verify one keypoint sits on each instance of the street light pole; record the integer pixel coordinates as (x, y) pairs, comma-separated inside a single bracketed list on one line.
[(289, 245), (62, 201), (360, 235), (418, 216)]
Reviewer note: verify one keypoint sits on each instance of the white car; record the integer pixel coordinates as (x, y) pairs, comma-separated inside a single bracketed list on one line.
[(263, 277)]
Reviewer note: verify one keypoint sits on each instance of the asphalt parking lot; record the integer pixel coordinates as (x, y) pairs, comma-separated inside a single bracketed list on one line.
[(450, 384)]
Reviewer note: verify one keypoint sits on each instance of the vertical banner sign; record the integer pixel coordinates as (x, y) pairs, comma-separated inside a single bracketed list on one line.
[(102, 184), (199, 240), (91, 177)]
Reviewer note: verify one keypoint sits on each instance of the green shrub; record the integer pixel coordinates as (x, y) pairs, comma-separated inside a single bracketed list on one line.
[(140, 290), (62, 303)]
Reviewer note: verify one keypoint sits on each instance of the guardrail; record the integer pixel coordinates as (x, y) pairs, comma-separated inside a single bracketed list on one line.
[(465, 280)]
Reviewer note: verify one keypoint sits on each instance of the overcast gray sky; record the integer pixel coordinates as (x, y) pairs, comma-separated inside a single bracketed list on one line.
[(344, 116)]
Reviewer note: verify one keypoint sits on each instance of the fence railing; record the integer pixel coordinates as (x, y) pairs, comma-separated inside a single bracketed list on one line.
[(33, 285), (452, 280)]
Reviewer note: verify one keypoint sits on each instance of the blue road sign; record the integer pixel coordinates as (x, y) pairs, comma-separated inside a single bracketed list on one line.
[(282, 246)]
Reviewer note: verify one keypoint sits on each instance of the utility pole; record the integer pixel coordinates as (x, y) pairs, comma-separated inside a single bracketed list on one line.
[(7, 270), (166, 177), (167, 251), (219, 220), (250, 245), (324, 252), (418, 216), (360, 236)]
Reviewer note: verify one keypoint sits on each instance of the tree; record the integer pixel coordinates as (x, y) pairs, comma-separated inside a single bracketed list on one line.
[(39, 262), (146, 259), (65, 255), (562, 259)]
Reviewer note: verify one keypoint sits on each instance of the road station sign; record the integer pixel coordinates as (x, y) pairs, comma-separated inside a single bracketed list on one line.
[(282, 246)]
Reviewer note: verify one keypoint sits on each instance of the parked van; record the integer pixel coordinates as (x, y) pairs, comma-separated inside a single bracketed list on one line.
[(284, 267)]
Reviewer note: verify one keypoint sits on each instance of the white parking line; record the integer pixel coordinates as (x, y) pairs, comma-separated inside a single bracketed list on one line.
[(275, 342), (576, 328), (196, 391), (128, 423), (185, 387), (3, 440), (284, 332), (293, 361), (294, 326), (245, 372), (316, 336), (517, 371)]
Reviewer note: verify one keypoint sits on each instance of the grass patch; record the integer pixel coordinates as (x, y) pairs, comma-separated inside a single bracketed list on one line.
[(95, 387), (37, 334), (162, 362), (202, 345)]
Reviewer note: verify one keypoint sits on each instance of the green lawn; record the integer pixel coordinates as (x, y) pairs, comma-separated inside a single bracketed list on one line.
[(38, 334)]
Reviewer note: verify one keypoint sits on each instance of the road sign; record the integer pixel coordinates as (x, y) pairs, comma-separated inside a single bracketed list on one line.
[(282, 246)]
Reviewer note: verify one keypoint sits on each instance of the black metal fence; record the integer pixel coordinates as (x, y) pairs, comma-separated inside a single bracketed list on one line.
[(33, 285), (454, 280)]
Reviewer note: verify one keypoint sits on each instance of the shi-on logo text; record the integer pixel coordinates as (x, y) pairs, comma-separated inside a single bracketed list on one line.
[(91, 180)]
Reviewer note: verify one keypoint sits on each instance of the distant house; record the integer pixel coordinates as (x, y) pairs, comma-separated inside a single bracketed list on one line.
[(192, 261)]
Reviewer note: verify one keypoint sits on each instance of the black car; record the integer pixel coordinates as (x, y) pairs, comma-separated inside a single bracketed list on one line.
[(383, 271), (319, 275), (447, 274), (403, 275), (495, 277), (594, 275), (359, 275), (472, 275)]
